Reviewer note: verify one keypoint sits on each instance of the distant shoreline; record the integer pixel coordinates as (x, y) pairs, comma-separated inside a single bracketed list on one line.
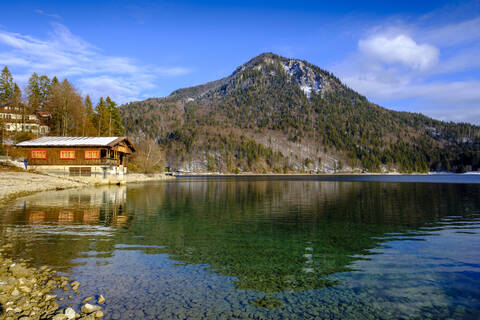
[(218, 174), (469, 178)]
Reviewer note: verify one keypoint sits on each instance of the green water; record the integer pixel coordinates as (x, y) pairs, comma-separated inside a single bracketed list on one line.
[(261, 248)]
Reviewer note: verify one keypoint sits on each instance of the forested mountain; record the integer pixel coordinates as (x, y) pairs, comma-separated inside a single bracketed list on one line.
[(275, 114)]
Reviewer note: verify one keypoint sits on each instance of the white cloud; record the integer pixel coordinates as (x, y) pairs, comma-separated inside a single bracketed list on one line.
[(64, 54), (453, 33), (114, 86), (173, 71), (434, 70), (51, 15), (400, 49)]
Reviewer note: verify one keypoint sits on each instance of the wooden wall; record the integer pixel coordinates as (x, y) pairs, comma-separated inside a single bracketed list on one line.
[(53, 156)]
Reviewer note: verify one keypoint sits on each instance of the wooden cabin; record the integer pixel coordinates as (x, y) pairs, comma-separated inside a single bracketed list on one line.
[(83, 156)]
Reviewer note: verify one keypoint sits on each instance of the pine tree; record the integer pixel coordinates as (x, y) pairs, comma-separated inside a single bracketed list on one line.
[(115, 126), (38, 90), (88, 118), (7, 86), (101, 117)]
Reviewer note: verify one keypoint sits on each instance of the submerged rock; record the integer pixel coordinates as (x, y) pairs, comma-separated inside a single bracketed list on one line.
[(70, 313), (75, 285), (89, 308), (18, 270), (98, 314), (27, 293), (269, 302), (101, 299)]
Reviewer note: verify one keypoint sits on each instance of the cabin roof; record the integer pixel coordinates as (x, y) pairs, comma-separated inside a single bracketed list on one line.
[(75, 142)]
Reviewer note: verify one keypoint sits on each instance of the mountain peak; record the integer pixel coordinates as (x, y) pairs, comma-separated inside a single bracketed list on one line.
[(267, 68)]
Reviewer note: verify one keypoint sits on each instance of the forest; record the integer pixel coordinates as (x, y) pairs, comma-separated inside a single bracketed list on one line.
[(71, 114), (260, 120)]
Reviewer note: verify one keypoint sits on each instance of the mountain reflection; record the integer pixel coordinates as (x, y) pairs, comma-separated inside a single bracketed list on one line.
[(270, 236)]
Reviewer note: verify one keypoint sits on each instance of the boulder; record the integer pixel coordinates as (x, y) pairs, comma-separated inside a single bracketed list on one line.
[(19, 271), (59, 317), (70, 313), (89, 308)]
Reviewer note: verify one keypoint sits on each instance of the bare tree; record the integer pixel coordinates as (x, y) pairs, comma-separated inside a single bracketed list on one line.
[(149, 157)]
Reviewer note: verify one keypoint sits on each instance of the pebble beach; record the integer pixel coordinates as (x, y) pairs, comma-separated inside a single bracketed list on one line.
[(29, 293)]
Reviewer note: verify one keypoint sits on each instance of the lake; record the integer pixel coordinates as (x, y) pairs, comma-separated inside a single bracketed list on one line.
[(342, 247)]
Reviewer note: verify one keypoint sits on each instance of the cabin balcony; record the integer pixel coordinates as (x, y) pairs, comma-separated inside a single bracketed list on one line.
[(109, 162)]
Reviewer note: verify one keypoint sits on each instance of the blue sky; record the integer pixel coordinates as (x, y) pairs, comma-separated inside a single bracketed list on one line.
[(420, 56)]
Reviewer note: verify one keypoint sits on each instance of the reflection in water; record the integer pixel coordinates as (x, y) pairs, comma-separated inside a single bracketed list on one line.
[(76, 206), (194, 248), (54, 228)]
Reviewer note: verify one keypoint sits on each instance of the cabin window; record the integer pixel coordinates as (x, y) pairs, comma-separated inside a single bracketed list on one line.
[(67, 154), (92, 154), (38, 154)]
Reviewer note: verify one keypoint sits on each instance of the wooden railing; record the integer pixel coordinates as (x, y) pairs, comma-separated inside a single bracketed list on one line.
[(112, 162)]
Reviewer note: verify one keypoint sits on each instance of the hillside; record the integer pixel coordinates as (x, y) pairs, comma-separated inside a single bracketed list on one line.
[(274, 114)]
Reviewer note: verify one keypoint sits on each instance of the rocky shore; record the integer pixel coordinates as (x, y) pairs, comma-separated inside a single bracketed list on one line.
[(29, 293)]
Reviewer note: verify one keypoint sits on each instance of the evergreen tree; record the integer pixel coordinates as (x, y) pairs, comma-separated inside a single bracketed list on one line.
[(101, 117), (88, 118), (115, 125), (7, 86), (38, 91)]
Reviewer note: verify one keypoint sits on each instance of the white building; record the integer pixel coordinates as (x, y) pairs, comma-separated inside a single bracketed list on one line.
[(13, 120)]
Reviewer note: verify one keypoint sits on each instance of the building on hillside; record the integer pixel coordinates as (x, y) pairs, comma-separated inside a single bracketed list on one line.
[(78, 156), (13, 120)]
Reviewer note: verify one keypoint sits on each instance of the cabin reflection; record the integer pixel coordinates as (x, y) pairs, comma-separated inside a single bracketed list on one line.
[(35, 216), (102, 205)]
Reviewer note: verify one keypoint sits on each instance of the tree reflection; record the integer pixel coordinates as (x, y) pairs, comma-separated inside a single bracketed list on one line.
[(269, 235)]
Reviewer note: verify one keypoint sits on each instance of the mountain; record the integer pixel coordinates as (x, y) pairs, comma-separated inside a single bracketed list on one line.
[(275, 114)]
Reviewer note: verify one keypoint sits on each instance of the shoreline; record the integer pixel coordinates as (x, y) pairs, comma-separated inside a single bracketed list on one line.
[(17, 184), (251, 174), (338, 174)]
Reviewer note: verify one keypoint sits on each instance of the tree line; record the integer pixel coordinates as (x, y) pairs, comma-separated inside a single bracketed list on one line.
[(71, 113)]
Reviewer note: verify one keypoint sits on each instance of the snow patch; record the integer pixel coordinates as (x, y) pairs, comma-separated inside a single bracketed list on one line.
[(307, 90), (308, 79)]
